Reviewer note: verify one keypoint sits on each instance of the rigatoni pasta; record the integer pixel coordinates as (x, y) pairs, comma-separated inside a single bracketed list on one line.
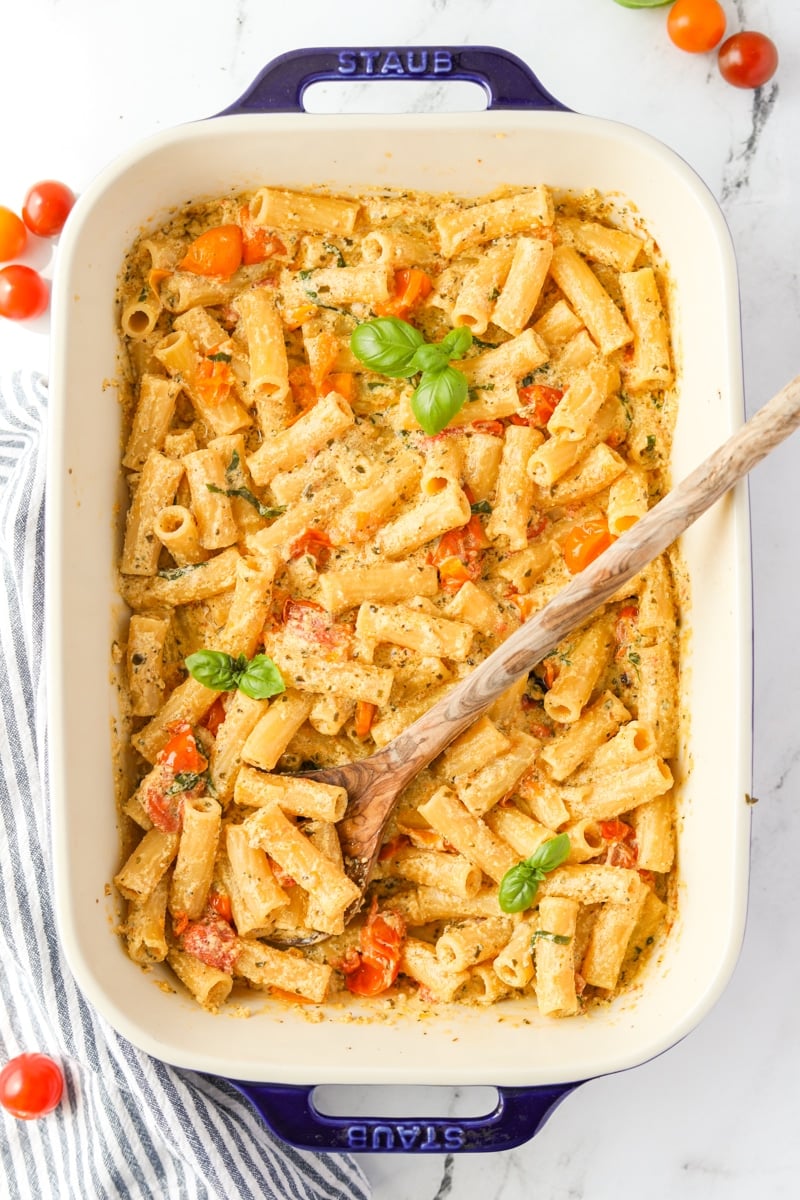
[(286, 507)]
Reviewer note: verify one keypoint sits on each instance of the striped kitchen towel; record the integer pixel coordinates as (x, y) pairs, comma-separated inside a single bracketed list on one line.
[(129, 1126)]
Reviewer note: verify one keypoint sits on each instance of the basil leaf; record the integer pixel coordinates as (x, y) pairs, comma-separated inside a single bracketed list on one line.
[(519, 886), (551, 853), (644, 3), (220, 356), (184, 782), (386, 344), (263, 510), (457, 342), (428, 358), (481, 506), (560, 939), (178, 572), (261, 679), (439, 396), (214, 669)]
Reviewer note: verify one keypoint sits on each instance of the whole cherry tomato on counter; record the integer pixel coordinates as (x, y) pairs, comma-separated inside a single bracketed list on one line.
[(748, 60), (696, 25), (13, 235), (23, 293), (46, 208), (30, 1086)]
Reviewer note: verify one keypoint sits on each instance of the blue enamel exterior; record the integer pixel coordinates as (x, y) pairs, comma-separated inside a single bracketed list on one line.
[(291, 1114), (508, 82)]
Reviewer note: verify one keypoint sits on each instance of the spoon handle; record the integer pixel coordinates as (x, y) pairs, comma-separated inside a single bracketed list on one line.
[(420, 743)]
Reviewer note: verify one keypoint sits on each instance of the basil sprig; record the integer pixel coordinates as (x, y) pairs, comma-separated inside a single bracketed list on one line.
[(394, 348), (257, 677), (520, 884)]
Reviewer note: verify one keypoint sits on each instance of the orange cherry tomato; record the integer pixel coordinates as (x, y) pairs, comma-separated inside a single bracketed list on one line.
[(220, 903), (748, 59), (696, 25), (47, 206), (13, 235), (218, 251), (31, 1085), (23, 293), (411, 286), (585, 542), (365, 715)]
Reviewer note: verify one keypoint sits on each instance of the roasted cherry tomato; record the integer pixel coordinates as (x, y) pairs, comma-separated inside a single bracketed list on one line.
[(372, 969), (23, 293), (696, 25), (30, 1086), (748, 60), (181, 752), (13, 235), (218, 251), (47, 206)]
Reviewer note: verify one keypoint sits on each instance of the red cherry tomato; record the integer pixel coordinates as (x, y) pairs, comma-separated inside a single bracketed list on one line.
[(748, 60), (696, 25), (23, 293), (46, 207), (13, 235), (30, 1086)]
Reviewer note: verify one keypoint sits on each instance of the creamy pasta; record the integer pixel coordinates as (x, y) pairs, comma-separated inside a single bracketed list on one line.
[(334, 570)]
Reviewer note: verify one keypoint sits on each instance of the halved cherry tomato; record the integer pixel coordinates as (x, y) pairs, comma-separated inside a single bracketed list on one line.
[(30, 1086), (365, 715), (220, 903), (13, 235), (540, 404), (458, 554), (381, 941), (585, 542), (308, 620), (181, 752), (23, 293), (214, 717), (748, 59), (311, 541), (615, 831), (213, 941), (304, 393), (214, 379), (47, 206), (282, 878), (493, 428), (622, 854), (411, 285), (390, 848), (342, 382), (218, 251), (696, 25), (257, 243)]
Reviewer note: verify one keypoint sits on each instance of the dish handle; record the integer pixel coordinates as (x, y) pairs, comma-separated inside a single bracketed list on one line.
[(290, 1112), (506, 79)]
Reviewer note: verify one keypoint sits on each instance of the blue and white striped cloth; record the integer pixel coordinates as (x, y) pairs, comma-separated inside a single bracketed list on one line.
[(129, 1126)]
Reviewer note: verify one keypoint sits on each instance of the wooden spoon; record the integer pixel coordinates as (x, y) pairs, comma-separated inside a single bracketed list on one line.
[(373, 784)]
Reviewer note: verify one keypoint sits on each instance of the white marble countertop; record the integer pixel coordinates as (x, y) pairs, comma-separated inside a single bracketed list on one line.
[(716, 1116)]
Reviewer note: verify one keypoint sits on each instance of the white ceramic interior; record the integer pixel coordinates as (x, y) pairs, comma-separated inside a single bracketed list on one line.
[(470, 153)]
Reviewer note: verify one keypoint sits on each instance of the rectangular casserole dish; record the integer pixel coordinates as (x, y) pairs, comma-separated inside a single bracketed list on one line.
[(509, 1045)]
